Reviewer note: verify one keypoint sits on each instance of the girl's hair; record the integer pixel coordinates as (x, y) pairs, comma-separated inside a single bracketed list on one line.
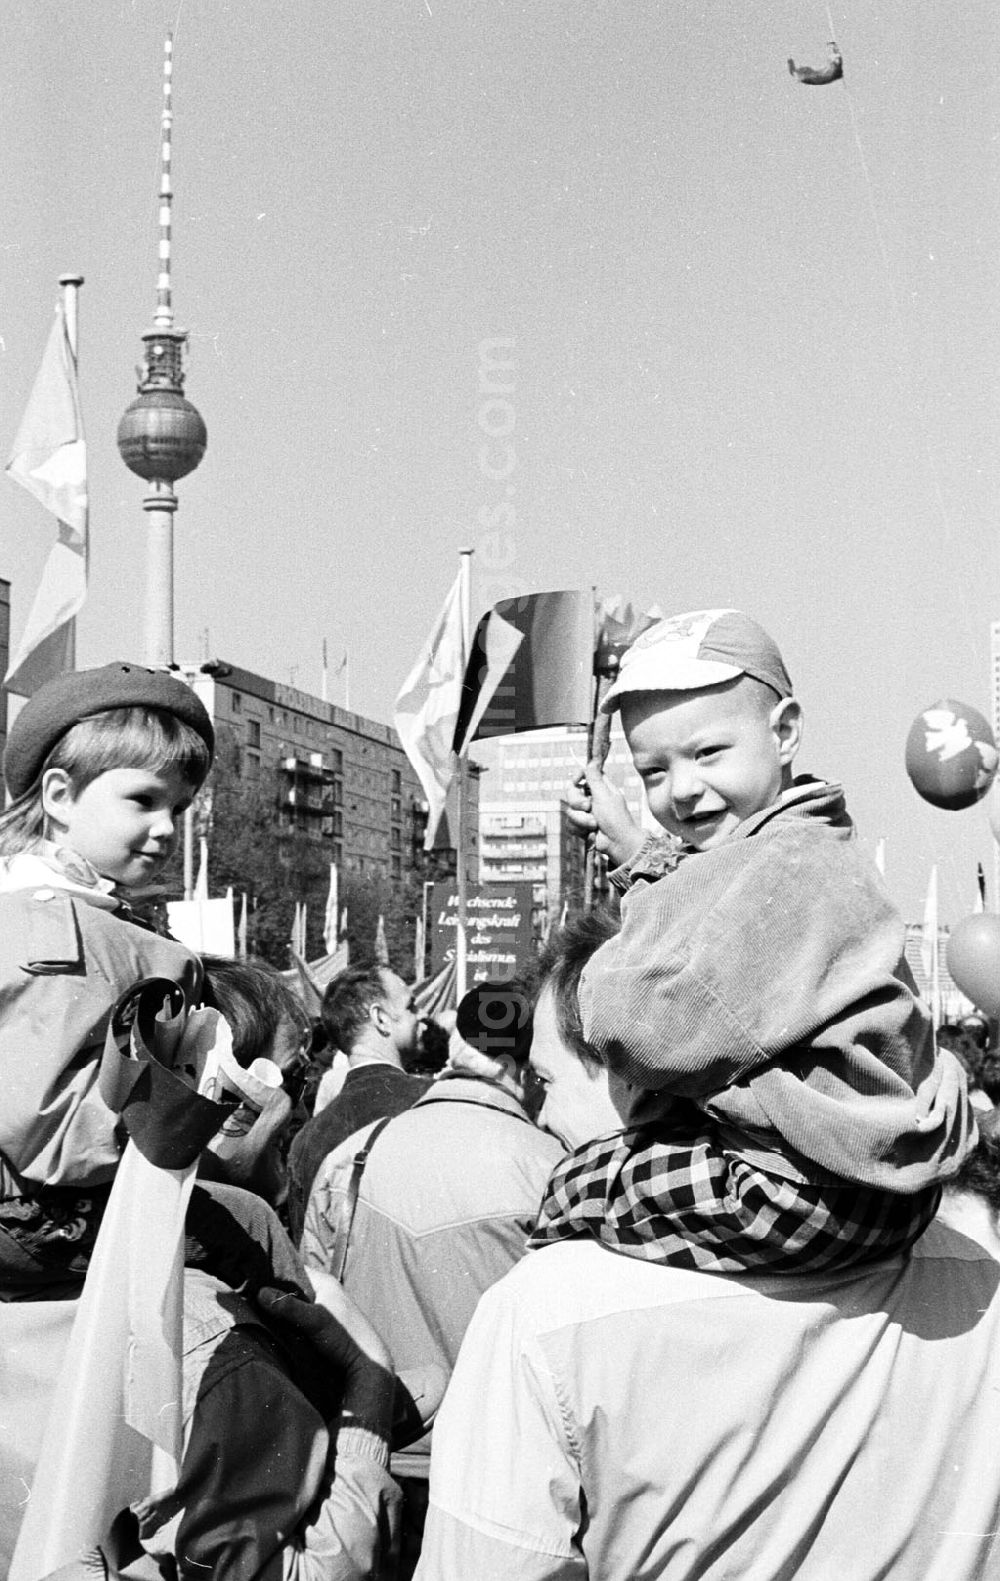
[(119, 738)]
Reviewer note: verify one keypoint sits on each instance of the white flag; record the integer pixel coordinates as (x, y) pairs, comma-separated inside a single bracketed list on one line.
[(930, 947), (330, 933), (427, 707), (49, 459)]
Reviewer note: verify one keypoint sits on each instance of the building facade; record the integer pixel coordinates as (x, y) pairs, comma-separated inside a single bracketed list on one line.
[(342, 779), (524, 826)]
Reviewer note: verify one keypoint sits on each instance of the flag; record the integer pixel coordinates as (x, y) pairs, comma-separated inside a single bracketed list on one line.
[(531, 665), (427, 707), (201, 882), (381, 947), (618, 624), (330, 934), (242, 935), (49, 459), (930, 947), (419, 951), (298, 939), (343, 921)]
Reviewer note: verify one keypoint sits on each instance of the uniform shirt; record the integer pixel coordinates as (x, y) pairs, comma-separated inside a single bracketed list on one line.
[(614, 1419)]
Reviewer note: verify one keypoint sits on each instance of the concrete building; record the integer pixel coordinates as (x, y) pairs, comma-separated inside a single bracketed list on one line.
[(524, 828), (343, 780)]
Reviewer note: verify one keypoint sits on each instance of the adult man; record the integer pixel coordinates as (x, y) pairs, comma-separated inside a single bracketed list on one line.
[(369, 1013), (613, 1417), (444, 1206), (448, 1196)]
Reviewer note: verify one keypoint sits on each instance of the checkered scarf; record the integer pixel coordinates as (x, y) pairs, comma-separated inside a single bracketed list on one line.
[(678, 1197)]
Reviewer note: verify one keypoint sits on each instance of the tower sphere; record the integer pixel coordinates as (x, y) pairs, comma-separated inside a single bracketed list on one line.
[(162, 436)]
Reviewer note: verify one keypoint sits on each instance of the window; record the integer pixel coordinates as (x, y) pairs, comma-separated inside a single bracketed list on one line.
[(397, 866), (253, 732), (397, 782), (237, 702), (253, 767)]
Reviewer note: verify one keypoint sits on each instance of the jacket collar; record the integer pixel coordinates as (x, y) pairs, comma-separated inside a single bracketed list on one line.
[(459, 1087)]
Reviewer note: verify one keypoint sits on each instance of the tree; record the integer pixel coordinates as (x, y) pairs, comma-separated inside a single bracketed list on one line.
[(277, 866)]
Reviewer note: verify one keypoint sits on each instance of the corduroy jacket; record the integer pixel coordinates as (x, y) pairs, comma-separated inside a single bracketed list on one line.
[(765, 979)]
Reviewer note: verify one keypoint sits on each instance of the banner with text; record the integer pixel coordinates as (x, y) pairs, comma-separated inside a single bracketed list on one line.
[(499, 939)]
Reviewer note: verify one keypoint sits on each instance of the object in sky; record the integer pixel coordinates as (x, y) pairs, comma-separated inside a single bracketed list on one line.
[(816, 76), (951, 755)]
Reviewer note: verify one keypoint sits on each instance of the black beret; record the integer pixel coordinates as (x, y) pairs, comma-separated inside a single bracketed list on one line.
[(496, 1019), (79, 694)]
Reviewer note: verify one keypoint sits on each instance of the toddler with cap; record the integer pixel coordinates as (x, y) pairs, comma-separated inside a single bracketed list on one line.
[(100, 765), (785, 1103)]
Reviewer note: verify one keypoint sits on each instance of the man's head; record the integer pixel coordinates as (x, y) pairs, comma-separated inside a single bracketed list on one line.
[(709, 717), (369, 1009), (492, 1034), (576, 1106)]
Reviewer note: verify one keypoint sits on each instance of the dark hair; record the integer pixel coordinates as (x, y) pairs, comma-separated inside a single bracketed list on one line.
[(495, 1018), (560, 967), (979, 1176), (968, 1040), (255, 1000), (348, 1000)]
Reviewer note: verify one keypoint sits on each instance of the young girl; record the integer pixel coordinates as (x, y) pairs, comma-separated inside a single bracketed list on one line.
[(101, 765)]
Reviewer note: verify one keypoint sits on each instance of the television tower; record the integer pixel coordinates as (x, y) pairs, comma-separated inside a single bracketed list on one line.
[(161, 436)]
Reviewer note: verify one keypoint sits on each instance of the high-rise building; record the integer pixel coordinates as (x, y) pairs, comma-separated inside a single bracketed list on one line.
[(341, 779), (524, 826)]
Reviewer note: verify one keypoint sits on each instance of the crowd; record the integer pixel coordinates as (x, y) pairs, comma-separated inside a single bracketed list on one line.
[(683, 1266)]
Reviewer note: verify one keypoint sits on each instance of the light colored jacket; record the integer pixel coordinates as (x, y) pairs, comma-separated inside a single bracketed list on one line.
[(66, 957), (616, 1420), (447, 1200)]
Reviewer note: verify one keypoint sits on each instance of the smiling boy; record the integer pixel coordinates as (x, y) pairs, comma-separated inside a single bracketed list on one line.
[(787, 1105)]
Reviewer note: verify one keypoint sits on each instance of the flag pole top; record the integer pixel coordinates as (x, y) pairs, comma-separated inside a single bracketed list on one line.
[(71, 279)]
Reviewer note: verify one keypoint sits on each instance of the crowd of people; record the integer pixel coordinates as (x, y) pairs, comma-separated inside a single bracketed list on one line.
[(683, 1266)]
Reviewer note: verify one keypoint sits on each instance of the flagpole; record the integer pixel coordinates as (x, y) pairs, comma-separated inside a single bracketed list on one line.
[(323, 676), (598, 739), (71, 284), (461, 964)]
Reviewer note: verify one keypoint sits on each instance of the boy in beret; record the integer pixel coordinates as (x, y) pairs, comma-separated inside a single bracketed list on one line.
[(101, 765)]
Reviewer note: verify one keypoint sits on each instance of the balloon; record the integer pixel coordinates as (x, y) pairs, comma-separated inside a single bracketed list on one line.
[(973, 957), (951, 756)]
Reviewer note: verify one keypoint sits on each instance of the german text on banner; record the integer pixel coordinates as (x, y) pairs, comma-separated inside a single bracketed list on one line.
[(49, 459)]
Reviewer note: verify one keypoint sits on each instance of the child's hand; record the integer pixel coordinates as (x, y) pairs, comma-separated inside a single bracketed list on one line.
[(596, 805)]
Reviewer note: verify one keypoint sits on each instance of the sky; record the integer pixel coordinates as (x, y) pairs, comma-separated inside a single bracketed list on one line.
[(593, 287)]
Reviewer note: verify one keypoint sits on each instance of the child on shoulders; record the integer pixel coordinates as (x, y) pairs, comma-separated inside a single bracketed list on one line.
[(786, 1105)]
